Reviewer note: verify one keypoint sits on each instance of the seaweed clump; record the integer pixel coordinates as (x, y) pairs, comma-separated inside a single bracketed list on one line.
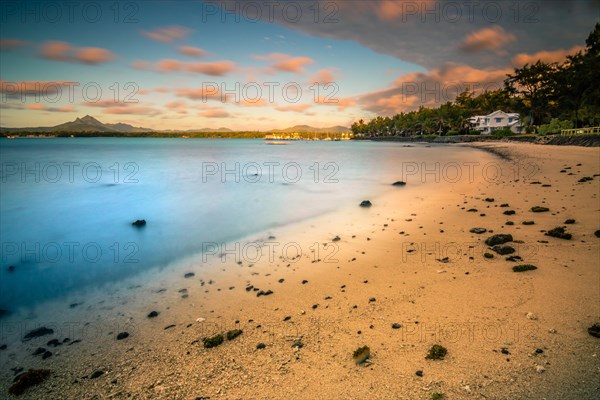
[(28, 379), (233, 334), (214, 341), (436, 352)]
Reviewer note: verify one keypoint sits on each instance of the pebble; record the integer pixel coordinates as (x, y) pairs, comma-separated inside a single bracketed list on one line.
[(419, 373), (396, 325), (96, 374), (261, 346), (153, 314), (531, 316), (122, 335), (539, 369)]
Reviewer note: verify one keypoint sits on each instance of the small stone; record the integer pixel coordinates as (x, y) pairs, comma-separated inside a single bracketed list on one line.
[(153, 314), (336, 239), (297, 344), (570, 221), (509, 212), (488, 255), (538, 209), (122, 335), (366, 203), (419, 373), (260, 346), (396, 326), (594, 330), (96, 374), (47, 354), (539, 351), (531, 316), (539, 369), (498, 239), (189, 275), (372, 299)]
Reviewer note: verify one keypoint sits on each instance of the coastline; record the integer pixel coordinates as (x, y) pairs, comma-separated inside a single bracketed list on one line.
[(591, 140), (474, 307)]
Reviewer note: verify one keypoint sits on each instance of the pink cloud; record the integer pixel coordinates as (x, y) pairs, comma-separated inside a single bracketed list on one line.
[(217, 68), (341, 104), (192, 51), (294, 108), (11, 44), (493, 38), (63, 51), (43, 107), (546, 56), (131, 110), (140, 64), (390, 10), (323, 76), (285, 63), (107, 104), (168, 34), (214, 113), (204, 94)]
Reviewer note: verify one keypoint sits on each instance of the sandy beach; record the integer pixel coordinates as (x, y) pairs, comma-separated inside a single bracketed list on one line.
[(398, 277)]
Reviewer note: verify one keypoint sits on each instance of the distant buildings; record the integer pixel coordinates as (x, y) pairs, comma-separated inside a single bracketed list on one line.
[(487, 124)]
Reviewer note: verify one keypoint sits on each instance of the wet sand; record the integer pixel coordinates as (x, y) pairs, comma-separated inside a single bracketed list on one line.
[(410, 259)]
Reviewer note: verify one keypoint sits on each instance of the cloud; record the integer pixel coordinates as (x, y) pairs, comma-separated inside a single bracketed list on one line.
[(493, 38), (216, 68), (214, 113), (294, 108), (390, 10), (11, 44), (43, 107), (209, 92), (341, 104), (168, 34), (179, 106), (107, 103), (432, 88), (140, 64), (192, 51), (323, 77), (546, 56), (121, 110), (285, 62), (63, 51)]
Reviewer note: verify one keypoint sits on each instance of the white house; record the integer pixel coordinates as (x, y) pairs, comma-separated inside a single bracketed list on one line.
[(487, 124)]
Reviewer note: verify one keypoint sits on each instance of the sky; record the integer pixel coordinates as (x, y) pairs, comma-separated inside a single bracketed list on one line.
[(260, 65)]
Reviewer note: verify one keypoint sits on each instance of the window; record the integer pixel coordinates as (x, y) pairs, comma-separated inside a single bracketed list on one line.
[(510, 119), (498, 120)]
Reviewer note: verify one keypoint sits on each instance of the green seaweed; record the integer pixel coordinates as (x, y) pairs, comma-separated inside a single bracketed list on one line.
[(233, 334), (436, 352), (214, 341)]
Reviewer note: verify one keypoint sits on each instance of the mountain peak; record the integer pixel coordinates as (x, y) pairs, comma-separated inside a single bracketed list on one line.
[(88, 119)]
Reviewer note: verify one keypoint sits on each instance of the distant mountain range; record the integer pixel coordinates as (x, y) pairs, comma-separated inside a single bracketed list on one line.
[(91, 124)]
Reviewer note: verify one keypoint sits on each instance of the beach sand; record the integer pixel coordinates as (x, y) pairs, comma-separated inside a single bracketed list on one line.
[(388, 267)]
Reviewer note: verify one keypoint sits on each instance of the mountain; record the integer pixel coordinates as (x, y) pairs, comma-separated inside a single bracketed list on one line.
[(310, 129), (85, 124)]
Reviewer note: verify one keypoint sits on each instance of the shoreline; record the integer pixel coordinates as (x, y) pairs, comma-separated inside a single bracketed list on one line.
[(473, 306)]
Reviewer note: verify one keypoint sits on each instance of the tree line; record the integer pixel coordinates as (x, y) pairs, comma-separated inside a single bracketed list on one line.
[(548, 97)]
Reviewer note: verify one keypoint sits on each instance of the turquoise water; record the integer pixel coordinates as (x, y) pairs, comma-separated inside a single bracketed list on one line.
[(66, 205)]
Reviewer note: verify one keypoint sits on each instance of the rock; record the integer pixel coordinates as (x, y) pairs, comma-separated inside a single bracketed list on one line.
[(539, 351), (419, 373), (509, 223), (304, 282), (531, 316), (372, 299), (478, 231), (170, 326), (472, 210), (122, 335), (11, 268), (210, 342), (38, 351), (513, 258), (233, 334), (490, 200), (560, 233), (524, 267), (488, 255), (297, 344), (509, 212), (47, 354), (153, 314), (396, 325), (504, 350), (539, 369), (361, 355), (570, 221), (503, 249), (336, 239), (54, 343), (96, 374), (42, 331), (399, 183), (139, 223), (436, 352), (586, 179), (189, 275), (594, 330), (287, 318), (366, 203), (281, 280), (500, 238), (538, 209), (3, 312), (260, 346), (3, 347), (528, 223), (28, 379), (597, 234)]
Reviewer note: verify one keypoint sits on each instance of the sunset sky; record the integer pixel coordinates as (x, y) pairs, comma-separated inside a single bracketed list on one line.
[(262, 65)]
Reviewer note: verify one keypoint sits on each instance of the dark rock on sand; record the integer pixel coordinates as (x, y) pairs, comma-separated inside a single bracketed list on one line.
[(597, 233), (96, 374), (139, 223), (594, 330), (513, 258), (122, 335), (509, 212), (509, 223), (503, 249), (538, 209), (366, 203), (38, 351), (42, 331), (261, 346), (189, 275), (361, 354), (524, 267), (488, 255), (399, 183), (372, 299), (500, 238), (297, 344), (47, 354), (54, 343), (478, 231), (419, 373), (336, 239), (528, 223), (28, 379), (569, 221), (560, 233), (396, 326), (490, 200), (153, 314)]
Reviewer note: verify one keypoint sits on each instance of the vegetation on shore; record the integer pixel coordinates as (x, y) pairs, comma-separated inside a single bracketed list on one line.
[(548, 96)]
